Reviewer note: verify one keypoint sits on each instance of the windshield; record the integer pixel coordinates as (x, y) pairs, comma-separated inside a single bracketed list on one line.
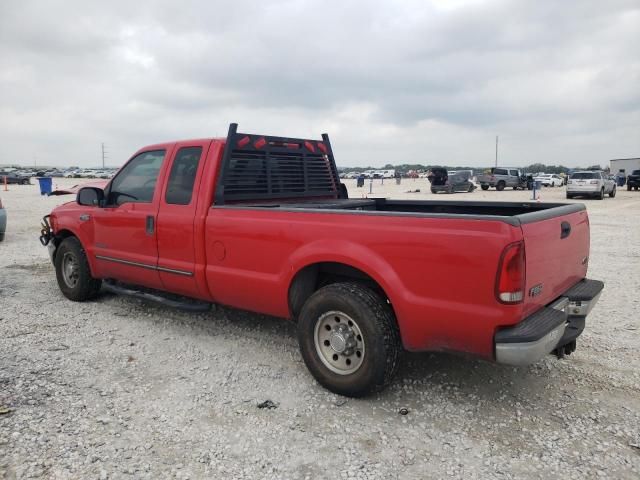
[(635, 172), (583, 175)]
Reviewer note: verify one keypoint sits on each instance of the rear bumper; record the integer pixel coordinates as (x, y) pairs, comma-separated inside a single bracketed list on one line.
[(550, 328), (583, 190)]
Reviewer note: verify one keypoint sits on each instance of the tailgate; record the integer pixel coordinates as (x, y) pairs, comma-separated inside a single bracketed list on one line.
[(557, 253)]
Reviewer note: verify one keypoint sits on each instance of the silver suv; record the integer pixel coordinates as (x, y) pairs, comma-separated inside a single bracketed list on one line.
[(590, 184)]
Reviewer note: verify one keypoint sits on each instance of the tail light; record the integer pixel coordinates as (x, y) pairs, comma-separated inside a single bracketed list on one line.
[(510, 282)]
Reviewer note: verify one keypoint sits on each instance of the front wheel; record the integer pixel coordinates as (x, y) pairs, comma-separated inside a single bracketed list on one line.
[(349, 339), (73, 273)]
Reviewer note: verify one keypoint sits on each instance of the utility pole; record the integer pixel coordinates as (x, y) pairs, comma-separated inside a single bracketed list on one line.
[(496, 150), (104, 154)]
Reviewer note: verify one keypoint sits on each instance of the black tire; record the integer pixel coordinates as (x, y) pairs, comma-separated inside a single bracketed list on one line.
[(601, 195), (613, 193), (1, 237), (500, 186), (471, 188), (484, 187), (380, 337), (26, 182), (433, 190), (569, 196), (628, 187), (85, 286)]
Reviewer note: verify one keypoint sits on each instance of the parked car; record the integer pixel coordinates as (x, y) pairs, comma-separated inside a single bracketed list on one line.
[(500, 178), (443, 181), (633, 180), (3, 221), (590, 184), (549, 180), (14, 178), (241, 222)]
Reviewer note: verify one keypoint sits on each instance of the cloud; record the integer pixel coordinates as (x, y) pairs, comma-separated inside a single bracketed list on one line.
[(391, 82)]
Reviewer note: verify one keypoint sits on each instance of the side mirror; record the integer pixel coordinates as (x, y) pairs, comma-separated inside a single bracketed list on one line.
[(90, 197)]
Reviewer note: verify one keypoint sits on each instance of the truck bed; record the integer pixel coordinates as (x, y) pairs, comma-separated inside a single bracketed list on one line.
[(514, 213)]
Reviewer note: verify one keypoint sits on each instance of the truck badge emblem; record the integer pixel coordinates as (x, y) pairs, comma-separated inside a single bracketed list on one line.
[(535, 290)]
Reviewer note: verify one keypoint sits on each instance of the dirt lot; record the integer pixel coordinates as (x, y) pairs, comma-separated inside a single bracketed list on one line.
[(120, 389)]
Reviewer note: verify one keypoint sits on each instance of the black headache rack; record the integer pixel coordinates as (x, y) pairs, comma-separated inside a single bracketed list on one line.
[(261, 167)]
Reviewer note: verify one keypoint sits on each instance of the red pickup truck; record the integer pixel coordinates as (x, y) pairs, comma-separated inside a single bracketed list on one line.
[(262, 223)]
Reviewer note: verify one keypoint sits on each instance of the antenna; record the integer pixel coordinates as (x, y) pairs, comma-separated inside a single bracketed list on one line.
[(104, 154)]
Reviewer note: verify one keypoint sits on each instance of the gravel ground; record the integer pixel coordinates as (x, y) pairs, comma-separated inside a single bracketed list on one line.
[(116, 388)]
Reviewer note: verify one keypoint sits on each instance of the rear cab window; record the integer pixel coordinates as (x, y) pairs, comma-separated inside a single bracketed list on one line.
[(499, 171), (183, 176)]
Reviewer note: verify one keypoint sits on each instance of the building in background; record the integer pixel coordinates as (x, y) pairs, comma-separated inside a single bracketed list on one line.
[(625, 164)]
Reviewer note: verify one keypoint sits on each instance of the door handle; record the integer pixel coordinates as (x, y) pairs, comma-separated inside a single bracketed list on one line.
[(565, 229), (150, 225)]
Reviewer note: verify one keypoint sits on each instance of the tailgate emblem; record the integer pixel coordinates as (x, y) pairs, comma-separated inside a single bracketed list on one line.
[(535, 290)]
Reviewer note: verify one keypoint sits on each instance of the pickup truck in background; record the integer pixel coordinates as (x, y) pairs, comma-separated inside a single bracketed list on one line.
[(262, 223), (500, 178), (633, 180)]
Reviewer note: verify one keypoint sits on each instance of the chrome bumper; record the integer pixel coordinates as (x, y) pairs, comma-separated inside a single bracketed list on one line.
[(544, 331)]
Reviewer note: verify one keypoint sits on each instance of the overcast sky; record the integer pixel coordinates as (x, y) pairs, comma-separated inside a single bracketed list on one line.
[(391, 82)]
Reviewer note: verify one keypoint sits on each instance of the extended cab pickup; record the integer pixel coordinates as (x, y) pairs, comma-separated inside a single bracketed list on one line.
[(263, 224), (501, 178)]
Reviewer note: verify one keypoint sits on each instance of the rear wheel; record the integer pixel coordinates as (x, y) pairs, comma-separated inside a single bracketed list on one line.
[(500, 186), (1, 237), (628, 187), (471, 188), (433, 190), (601, 196), (613, 193), (73, 273), (569, 195), (484, 187), (349, 339)]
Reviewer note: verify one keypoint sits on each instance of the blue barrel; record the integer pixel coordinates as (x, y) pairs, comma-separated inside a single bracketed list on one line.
[(45, 185)]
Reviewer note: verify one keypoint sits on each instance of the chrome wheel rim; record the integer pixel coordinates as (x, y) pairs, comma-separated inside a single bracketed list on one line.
[(339, 342), (70, 270)]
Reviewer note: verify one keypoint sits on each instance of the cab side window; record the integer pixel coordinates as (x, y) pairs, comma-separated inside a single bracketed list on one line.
[(136, 182), (183, 176)]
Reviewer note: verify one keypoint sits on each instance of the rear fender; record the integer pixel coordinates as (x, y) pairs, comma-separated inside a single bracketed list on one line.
[(356, 256)]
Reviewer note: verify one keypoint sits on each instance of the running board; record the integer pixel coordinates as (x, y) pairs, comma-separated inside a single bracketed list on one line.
[(187, 304)]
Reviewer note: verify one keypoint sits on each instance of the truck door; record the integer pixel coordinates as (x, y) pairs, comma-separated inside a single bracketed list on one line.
[(177, 222), (125, 228)]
